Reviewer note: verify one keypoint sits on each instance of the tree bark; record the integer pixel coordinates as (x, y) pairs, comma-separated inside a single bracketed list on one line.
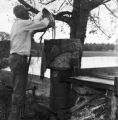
[(79, 21), (80, 14)]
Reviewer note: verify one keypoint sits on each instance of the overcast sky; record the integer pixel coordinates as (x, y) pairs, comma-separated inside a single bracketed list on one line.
[(6, 20), (5, 15)]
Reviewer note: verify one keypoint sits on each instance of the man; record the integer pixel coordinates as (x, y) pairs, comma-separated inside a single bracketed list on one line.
[(19, 51)]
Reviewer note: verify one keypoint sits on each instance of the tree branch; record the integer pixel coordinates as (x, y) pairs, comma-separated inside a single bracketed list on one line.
[(62, 16), (61, 6), (95, 3), (110, 11), (46, 3), (32, 9), (98, 26)]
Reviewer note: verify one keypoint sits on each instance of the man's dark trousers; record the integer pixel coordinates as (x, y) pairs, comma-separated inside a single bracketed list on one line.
[(19, 69)]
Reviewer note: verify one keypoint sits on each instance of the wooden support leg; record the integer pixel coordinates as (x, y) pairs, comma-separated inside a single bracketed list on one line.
[(116, 97), (108, 105), (112, 103)]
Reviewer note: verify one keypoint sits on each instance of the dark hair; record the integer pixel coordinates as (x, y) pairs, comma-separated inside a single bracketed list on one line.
[(21, 12)]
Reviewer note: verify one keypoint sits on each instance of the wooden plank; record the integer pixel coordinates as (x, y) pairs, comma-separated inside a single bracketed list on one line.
[(107, 72), (93, 82), (95, 79)]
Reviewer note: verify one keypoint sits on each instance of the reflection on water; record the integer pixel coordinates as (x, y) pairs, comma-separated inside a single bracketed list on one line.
[(87, 62), (95, 62)]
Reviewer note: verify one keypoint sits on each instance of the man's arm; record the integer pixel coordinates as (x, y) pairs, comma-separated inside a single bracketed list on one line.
[(36, 25), (38, 16)]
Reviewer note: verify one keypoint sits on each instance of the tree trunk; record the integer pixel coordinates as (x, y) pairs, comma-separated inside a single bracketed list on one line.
[(79, 20), (80, 15)]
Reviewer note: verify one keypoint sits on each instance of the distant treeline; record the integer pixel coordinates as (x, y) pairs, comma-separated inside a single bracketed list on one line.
[(98, 47)]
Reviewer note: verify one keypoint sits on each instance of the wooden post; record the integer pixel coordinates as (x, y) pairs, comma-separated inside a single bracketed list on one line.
[(60, 56), (60, 91)]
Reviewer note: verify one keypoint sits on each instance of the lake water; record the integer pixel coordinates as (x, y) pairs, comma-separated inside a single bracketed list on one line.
[(87, 62)]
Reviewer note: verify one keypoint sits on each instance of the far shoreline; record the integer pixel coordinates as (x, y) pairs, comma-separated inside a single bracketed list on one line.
[(99, 53)]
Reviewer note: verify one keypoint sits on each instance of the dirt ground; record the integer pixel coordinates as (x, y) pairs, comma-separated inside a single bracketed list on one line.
[(94, 110)]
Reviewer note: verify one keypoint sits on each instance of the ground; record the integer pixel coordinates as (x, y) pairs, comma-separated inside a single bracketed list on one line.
[(94, 110)]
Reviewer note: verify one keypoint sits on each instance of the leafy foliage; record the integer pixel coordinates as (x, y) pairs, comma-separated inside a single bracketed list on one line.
[(4, 36)]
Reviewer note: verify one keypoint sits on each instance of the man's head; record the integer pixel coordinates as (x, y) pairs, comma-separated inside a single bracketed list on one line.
[(21, 12)]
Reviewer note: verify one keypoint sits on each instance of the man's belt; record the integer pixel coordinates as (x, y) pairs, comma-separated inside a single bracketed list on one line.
[(16, 54)]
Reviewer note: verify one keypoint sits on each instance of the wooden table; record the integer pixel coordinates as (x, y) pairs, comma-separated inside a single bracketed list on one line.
[(94, 82), (104, 78)]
